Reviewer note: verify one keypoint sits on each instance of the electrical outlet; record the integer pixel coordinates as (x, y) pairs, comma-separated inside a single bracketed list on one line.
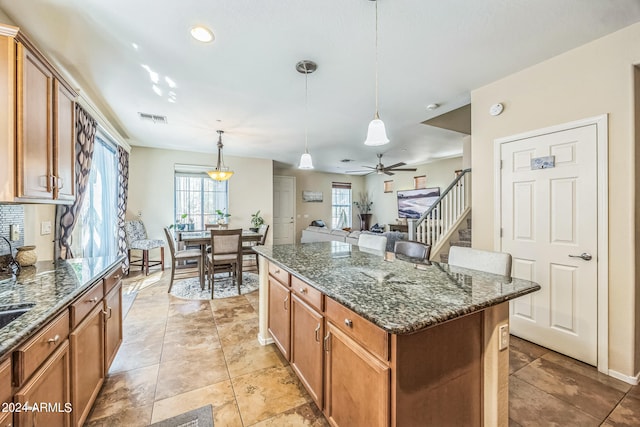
[(14, 232), (45, 228), (504, 337)]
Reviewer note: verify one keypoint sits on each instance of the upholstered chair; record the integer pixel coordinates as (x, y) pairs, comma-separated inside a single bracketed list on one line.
[(136, 238)]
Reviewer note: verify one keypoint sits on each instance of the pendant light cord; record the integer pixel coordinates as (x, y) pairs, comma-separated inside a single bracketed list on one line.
[(377, 116), (306, 108)]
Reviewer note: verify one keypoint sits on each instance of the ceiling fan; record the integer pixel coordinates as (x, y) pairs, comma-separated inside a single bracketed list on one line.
[(388, 170)]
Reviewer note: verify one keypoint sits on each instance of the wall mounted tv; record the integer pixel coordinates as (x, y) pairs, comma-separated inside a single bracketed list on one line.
[(413, 203)]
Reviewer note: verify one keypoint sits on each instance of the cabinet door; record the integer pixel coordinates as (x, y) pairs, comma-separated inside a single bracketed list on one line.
[(279, 318), (307, 331), (63, 143), (87, 364), (34, 116), (356, 383), (113, 325), (49, 388)]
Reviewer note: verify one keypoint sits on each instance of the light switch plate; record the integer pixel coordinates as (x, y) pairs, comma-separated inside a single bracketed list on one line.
[(14, 232), (45, 228)]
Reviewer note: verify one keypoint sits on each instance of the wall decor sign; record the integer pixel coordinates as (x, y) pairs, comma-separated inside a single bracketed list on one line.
[(546, 162), (312, 196)]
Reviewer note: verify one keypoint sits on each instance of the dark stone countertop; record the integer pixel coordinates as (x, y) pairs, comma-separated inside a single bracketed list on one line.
[(49, 287), (399, 296)]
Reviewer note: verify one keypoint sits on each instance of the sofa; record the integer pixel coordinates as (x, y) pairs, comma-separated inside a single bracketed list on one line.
[(324, 234)]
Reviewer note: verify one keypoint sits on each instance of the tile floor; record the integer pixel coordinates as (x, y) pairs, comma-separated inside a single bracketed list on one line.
[(178, 355)]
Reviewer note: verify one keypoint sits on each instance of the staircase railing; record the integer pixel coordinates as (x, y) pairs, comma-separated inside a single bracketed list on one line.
[(437, 221)]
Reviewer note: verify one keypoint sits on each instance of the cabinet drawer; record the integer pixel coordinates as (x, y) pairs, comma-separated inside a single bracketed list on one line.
[(5, 381), (307, 293), (279, 273), (111, 280), (31, 355), (373, 338), (83, 305)]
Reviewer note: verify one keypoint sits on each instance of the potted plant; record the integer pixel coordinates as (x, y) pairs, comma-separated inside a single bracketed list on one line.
[(180, 223), (364, 206), (256, 221), (222, 216)]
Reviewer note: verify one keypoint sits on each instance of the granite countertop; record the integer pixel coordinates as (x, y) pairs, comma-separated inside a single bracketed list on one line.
[(399, 296), (49, 287)]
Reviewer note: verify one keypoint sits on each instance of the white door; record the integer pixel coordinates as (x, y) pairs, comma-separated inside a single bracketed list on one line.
[(284, 198), (549, 219)]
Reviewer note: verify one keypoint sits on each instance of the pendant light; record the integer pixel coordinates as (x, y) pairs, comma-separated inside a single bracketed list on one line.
[(377, 134), (221, 172), (306, 67)]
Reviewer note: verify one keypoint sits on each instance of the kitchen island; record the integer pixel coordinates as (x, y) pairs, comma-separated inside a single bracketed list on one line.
[(382, 341)]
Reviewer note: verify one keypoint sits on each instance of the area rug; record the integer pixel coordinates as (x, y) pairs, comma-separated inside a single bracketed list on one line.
[(224, 287), (201, 417)]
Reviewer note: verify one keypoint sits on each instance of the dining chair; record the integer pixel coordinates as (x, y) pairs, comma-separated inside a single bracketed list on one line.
[(412, 249), (372, 241), (136, 239), (248, 249), (183, 255), (476, 259), (226, 255)]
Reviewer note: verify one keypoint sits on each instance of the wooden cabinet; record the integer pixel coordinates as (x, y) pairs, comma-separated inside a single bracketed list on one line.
[(87, 363), (112, 325), (6, 419), (357, 384), (48, 386), (307, 332), (38, 132), (279, 321)]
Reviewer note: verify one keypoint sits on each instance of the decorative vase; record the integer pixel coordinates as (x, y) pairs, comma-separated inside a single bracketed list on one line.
[(26, 256), (364, 221)]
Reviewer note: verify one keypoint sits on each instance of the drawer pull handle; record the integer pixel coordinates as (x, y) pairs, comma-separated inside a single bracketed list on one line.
[(93, 300), (278, 271), (117, 276), (348, 323), (316, 331), (54, 340), (303, 290)]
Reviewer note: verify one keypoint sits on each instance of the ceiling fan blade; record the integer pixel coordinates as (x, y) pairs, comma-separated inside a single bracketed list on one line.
[(370, 167), (388, 173), (396, 165), (406, 169)]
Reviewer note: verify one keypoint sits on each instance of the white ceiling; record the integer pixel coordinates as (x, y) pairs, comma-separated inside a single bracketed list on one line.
[(430, 51)]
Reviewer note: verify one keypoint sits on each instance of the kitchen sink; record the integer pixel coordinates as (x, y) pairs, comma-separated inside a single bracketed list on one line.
[(9, 313)]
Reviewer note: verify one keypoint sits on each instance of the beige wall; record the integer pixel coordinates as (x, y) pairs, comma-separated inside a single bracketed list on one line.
[(151, 187), (591, 80), (636, 74), (319, 181), (439, 173)]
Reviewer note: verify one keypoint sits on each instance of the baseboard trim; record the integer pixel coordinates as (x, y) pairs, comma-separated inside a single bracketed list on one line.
[(263, 341), (626, 378)]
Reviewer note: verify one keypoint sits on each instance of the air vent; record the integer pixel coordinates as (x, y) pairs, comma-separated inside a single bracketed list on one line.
[(153, 118), (346, 160)]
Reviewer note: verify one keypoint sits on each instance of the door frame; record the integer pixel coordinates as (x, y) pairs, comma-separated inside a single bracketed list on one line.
[(602, 147), (293, 204)]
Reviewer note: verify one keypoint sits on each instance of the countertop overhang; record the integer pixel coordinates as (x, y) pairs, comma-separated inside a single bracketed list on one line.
[(50, 287), (399, 296)]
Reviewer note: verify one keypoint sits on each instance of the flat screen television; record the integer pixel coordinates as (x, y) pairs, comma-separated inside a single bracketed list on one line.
[(413, 203)]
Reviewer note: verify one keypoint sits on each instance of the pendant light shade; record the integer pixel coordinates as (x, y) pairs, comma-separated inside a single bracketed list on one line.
[(305, 161), (376, 134), (306, 67), (221, 172)]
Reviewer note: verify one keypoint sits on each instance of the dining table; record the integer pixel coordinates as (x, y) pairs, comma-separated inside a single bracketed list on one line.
[(202, 238)]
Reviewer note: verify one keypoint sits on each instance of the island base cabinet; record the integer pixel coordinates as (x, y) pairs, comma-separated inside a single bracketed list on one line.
[(279, 316), (87, 364), (307, 332), (6, 420), (357, 384), (49, 388)]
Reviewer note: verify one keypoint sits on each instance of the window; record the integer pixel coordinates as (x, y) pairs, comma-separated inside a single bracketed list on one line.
[(96, 233), (420, 182), (341, 205), (197, 197)]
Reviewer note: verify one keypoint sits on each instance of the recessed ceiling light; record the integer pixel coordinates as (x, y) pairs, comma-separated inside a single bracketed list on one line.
[(202, 34)]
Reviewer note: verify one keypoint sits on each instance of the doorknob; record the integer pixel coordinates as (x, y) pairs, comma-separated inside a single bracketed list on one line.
[(585, 256)]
